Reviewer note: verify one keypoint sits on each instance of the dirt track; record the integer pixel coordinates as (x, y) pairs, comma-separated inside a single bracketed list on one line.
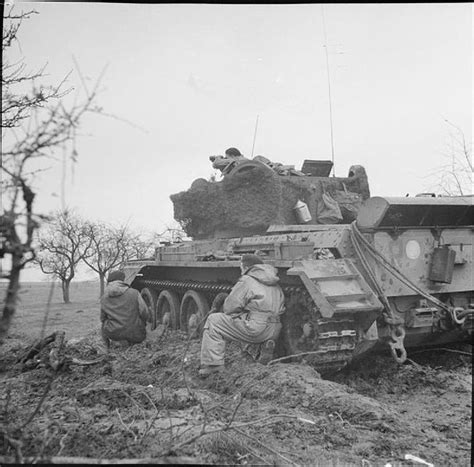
[(146, 402)]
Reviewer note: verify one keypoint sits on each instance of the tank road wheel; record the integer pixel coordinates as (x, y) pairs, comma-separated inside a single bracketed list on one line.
[(194, 308), (167, 309), (149, 296), (218, 302)]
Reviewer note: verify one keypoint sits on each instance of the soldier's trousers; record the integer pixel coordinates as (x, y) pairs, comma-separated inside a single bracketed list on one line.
[(220, 327)]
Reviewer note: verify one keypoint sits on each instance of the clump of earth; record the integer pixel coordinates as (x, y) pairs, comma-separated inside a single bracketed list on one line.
[(147, 402)]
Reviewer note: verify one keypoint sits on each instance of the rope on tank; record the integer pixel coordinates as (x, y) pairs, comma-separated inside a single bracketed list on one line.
[(384, 262)]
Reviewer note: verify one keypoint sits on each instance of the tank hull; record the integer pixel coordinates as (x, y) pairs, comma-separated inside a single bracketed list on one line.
[(342, 299)]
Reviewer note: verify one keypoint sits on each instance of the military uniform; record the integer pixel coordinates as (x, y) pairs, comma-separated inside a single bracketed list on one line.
[(123, 313), (250, 314)]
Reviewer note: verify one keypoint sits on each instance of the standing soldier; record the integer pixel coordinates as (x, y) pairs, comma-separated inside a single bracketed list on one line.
[(251, 314)]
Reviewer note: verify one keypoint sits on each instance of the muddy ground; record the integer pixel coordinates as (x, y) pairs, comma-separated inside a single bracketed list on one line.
[(147, 402)]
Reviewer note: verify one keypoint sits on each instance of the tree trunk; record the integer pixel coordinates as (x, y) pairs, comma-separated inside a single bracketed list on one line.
[(102, 283), (11, 295), (65, 286)]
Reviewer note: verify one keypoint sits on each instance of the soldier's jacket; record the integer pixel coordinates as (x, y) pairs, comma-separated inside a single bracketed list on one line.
[(123, 313), (257, 293)]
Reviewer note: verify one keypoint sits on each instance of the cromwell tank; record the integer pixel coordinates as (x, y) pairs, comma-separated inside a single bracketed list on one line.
[(357, 271)]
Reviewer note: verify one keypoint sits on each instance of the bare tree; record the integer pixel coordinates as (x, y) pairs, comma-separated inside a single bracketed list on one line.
[(35, 123), (454, 177), (142, 246), (61, 246), (111, 247), (108, 248)]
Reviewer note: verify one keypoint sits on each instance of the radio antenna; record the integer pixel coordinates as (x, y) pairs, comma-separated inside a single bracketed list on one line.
[(329, 92), (255, 135)]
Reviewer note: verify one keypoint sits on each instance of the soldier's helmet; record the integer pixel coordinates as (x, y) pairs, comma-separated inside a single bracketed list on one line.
[(233, 152)]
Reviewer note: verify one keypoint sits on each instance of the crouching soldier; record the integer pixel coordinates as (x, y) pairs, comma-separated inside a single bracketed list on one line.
[(251, 314), (123, 312)]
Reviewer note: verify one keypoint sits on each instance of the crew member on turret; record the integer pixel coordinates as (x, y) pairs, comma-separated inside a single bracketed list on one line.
[(226, 163), (251, 314)]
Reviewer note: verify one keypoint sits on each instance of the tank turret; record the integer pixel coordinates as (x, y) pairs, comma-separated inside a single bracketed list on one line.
[(256, 193)]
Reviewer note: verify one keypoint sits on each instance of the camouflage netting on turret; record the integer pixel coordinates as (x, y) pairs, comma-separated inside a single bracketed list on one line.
[(247, 202)]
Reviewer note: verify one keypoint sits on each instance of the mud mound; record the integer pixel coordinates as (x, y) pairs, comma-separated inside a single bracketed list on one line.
[(379, 377), (298, 385), (112, 394)]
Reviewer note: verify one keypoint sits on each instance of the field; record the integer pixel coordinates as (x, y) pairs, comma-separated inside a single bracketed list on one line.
[(80, 317), (147, 404)]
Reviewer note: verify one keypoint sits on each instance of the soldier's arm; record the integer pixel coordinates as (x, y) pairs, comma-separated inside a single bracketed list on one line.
[(143, 310), (281, 308), (238, 298)]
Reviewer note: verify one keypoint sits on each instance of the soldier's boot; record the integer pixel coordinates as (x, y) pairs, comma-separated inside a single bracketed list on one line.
[(103, 346), (250, 352), (166, 324), (266, 352), (207, 370)]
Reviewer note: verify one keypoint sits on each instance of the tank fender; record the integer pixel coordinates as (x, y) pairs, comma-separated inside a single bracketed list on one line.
[(135, 269), (335, 286)]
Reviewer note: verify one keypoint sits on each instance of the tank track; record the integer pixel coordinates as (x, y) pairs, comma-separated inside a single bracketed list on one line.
[(328, 346), (337, 339), (183, 286)]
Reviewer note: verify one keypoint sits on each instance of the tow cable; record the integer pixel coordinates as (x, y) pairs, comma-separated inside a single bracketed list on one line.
[(397, 332)]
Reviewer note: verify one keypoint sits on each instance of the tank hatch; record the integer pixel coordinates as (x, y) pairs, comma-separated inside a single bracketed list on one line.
[(316, 168)]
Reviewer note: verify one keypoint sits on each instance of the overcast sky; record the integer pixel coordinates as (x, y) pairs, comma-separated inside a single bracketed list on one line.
[(193, 78)]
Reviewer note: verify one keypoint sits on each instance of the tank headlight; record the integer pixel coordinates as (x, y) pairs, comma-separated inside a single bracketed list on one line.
[(412, 249)]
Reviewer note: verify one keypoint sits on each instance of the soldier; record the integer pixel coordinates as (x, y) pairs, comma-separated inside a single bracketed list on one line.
[(123, 312), (251, 314), (226, 163)]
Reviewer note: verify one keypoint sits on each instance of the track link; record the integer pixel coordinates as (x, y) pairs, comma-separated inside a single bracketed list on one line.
[(336, 341)]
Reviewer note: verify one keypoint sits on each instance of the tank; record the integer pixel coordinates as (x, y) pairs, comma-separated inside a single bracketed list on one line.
[(363, 273)]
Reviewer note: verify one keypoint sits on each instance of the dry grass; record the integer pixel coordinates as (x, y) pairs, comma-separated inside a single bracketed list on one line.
[(77, 318)]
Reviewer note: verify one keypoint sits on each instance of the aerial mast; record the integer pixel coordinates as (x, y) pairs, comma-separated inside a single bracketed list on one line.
[(255, 135), (329, 92)]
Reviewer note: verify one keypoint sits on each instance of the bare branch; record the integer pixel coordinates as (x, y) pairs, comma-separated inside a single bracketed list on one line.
[(455, 176)]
